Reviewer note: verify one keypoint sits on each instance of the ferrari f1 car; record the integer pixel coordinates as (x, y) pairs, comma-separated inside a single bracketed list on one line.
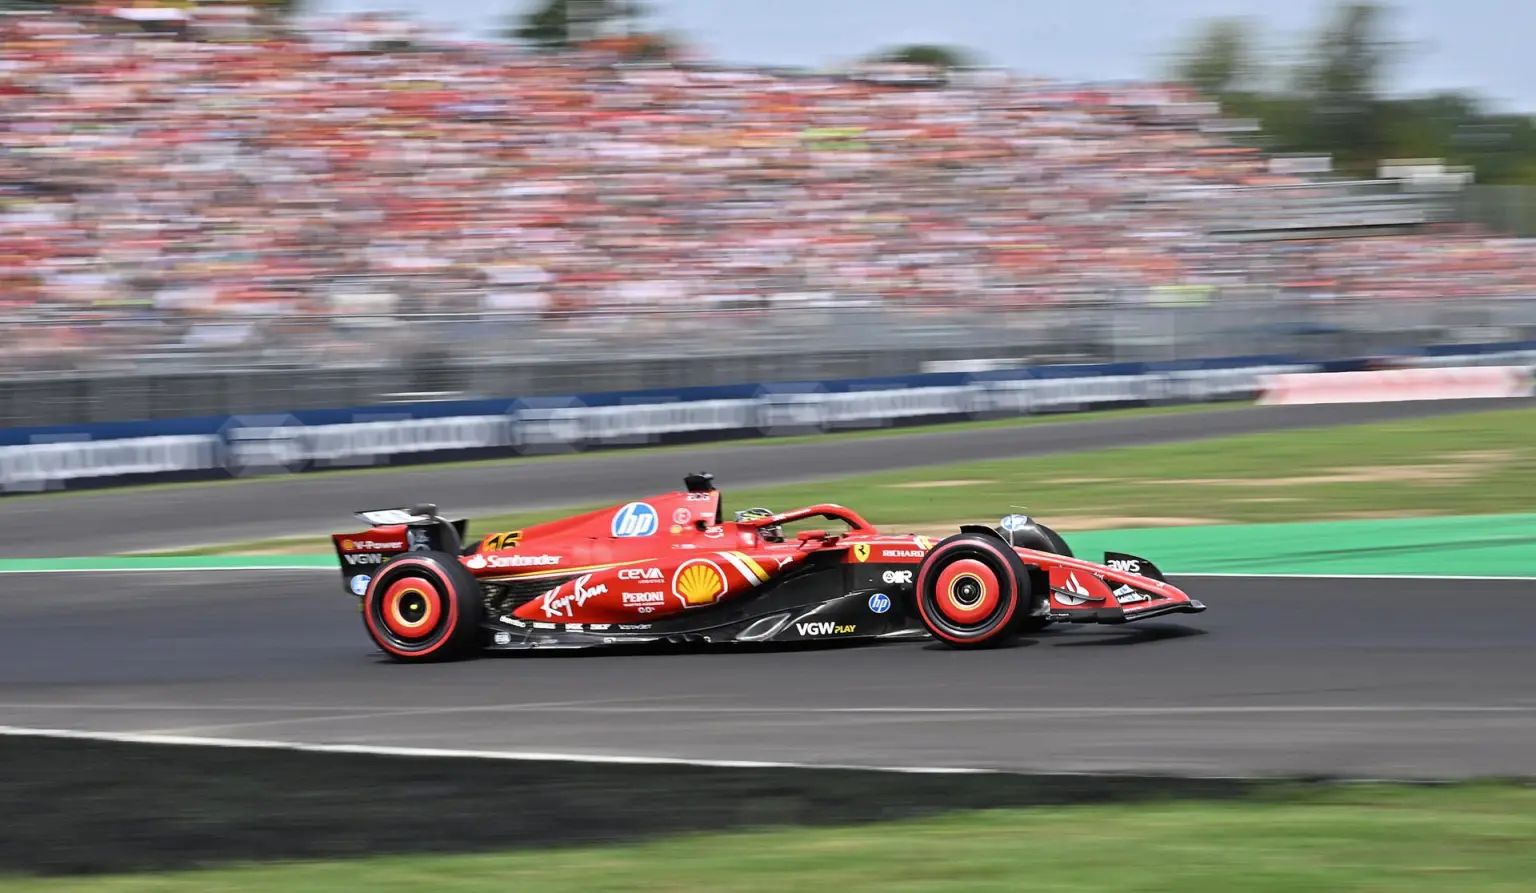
[(670, 568)]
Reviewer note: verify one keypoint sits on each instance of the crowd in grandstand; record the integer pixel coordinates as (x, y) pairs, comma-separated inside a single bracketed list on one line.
[(313, 172)]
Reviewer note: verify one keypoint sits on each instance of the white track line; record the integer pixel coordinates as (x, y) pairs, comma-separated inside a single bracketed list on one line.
[(597, 708), (365, 713), (845, 716), (448, 753)]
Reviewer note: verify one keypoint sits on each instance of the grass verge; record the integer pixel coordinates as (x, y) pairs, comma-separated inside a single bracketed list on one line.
[(1365, 838), (1478, 463)]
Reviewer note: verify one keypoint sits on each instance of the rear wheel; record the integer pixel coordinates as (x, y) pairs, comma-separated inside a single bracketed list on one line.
[(970, 589), (423, 606)]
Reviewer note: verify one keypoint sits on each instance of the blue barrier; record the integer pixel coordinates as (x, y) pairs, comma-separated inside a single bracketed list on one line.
[(120, 452)]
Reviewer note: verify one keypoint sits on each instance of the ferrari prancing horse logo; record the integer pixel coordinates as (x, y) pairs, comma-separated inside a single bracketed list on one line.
[(861, 552)]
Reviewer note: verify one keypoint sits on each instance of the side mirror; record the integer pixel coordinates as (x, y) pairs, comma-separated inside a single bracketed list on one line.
[(810, 539)]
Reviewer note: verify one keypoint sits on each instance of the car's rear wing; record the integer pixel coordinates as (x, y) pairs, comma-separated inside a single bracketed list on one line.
[(392, 531)]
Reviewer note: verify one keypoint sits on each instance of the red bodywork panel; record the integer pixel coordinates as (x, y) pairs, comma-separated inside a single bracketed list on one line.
[(670, 553)]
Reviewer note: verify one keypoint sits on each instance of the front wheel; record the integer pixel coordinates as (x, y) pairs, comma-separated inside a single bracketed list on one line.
[(1031, 534), (969, 590), (423, 606)]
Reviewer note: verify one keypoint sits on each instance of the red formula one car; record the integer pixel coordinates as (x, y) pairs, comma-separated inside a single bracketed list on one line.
[(670, 568)]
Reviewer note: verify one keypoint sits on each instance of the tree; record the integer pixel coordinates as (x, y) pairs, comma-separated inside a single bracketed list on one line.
[(1332, 102), (1349, 57), (547, 26), (928, 54), (556, 24), (285, 8), (1219, 59), (1343, 80)]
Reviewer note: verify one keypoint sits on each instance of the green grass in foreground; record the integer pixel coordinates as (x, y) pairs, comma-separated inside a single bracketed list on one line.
[(1463, 464), (1376, 838)]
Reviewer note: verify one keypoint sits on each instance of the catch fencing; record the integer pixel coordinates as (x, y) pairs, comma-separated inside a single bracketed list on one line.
[(82, 370), (49, 457), (306, 440)]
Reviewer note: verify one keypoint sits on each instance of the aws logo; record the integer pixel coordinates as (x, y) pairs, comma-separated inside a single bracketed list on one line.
[(508, 540), (698, 581)]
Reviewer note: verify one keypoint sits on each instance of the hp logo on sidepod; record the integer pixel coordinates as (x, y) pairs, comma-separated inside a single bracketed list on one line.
[(634, 519)]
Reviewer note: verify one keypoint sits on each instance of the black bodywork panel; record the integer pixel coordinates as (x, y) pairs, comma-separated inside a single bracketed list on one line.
[(823, 601)]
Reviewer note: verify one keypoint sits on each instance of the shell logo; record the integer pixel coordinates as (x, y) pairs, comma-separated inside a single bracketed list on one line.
[(698, 581)]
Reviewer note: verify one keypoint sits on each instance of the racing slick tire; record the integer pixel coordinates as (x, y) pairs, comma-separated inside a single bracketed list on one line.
[(1042, 539), (970, 591), (423, 606)]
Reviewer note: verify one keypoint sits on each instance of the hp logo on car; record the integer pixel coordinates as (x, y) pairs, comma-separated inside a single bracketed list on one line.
[(635, 519), (879, 603)]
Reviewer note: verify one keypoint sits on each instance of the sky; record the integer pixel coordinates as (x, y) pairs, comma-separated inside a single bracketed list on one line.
[(1480, 45)]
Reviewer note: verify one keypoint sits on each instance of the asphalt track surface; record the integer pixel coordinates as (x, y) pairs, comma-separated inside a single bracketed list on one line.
[(1356, 678), (1416, 678), (106, 521)]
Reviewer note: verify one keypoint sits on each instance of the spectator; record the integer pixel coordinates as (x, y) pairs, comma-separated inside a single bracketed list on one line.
[(159, 186)]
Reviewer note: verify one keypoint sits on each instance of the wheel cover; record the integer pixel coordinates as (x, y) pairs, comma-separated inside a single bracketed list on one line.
[(411, 608), (967, 592)]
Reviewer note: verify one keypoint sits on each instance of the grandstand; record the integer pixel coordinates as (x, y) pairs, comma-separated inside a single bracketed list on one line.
[(293, 196)]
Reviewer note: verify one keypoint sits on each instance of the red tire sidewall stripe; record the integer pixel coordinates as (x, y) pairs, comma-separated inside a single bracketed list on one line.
[(1012, 580), (448, 596)]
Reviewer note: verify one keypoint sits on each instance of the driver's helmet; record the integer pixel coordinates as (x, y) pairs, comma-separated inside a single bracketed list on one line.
[(773, 533)]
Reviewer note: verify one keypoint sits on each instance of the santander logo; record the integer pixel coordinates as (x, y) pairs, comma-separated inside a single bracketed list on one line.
[(1073, 592)]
